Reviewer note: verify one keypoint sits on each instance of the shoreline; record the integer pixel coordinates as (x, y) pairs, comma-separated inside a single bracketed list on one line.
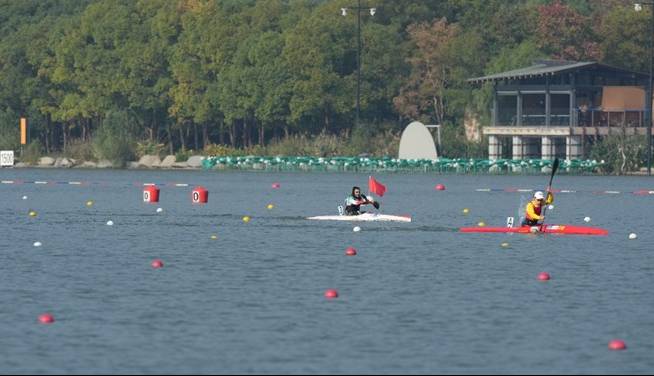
[(361, 164)]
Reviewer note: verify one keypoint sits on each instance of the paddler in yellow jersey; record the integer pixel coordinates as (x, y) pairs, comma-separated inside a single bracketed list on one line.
[(534, 211)]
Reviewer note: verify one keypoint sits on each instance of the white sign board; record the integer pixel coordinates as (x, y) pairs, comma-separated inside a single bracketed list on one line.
[(7, 158)]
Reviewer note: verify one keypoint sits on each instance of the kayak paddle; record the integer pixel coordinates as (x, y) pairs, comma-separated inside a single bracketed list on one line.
[(555, 167)]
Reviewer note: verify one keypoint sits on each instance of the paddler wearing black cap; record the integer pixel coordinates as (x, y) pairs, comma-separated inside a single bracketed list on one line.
[(534, 210), (354, 202)]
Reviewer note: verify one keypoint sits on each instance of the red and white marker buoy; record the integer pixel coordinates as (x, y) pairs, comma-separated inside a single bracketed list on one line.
[(544, 277), (440, 187), (157, 264), (200, 195), (331, 294), (151, 194), (276, 186), (350, 251)]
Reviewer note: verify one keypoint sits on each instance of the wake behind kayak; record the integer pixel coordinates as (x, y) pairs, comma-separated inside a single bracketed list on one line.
[(366, 217)]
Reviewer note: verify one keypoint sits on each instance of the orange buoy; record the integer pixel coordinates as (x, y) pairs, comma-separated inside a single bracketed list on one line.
[(200, 195), (151, 194)]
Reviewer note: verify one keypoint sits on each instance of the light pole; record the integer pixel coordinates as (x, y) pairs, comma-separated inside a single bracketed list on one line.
[(372, 12), (638, 7)]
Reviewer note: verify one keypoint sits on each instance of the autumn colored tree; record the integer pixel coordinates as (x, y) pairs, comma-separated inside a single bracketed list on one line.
[(423, 96), (565, 34)]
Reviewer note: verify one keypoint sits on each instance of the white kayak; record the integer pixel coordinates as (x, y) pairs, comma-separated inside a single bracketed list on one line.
[(366, 217)]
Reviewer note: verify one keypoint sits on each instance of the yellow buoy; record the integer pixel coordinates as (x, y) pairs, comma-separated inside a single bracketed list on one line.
[(214, 237), (271, 206), (482, 224), (466, 211), (90, 203), (32, 213), (246, 219), (506, 245)]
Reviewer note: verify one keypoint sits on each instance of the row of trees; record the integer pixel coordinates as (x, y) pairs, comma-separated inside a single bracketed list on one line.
[(187, 73)]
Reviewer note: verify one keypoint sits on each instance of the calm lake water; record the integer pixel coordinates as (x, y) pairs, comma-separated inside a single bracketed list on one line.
[(419, 297)]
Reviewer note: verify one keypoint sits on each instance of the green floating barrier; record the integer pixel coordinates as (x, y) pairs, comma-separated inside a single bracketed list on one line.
[(392, 164)]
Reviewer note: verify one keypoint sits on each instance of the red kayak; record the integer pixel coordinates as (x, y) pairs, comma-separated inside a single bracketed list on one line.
[(546, 229)]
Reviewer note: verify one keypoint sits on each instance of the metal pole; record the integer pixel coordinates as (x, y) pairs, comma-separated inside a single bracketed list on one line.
[(358, 62)]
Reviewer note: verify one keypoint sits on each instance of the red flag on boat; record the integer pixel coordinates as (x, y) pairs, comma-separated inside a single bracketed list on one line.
[(376, 187)]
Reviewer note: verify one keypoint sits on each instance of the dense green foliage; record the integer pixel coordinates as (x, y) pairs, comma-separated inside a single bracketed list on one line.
[(191, 73)]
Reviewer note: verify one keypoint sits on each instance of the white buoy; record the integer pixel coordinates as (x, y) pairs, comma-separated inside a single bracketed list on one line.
[(24, 197), (551, 207), (633, 236), (357, 229), (159, 210), (110, 223), (587, 219), (38, 244)]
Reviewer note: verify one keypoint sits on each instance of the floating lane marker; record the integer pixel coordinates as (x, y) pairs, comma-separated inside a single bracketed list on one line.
[(7, 182), (484, 190), (181, 185), (40, 182), (613, 192), (74, 183)]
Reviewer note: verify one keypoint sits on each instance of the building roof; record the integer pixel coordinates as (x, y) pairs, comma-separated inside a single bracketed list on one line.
[(547, 68)]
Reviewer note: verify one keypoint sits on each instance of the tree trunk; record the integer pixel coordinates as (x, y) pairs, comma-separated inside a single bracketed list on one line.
[(262, 135), (47, 134), (232, 134), (181, 137), (245, 133), (170, 139), (205, 135), (221, 134), (195, 136), (65, 126)]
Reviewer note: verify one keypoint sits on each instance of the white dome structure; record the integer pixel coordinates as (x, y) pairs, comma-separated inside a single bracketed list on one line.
[(417, 143)]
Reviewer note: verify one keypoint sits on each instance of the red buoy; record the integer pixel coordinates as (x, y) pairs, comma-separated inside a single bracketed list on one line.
[(46, 318), (440, 187), (200, 195), (617, 345), (331, 294), (351, 251), (544, 277), (276, 186), (157, 264), (151, 194)]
